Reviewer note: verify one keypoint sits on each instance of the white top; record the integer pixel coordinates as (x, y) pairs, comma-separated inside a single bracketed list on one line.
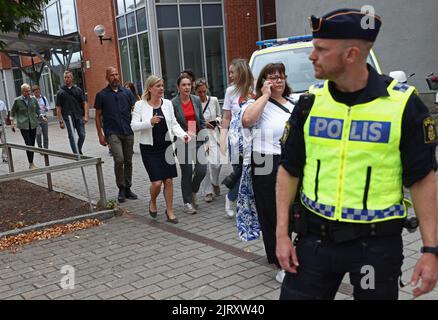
[(269, 128), (44, 105), (231, 100), (141, 121), (213, 111), (2, 106)]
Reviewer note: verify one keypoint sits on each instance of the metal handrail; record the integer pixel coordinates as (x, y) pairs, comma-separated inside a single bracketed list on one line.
[(83, 161)]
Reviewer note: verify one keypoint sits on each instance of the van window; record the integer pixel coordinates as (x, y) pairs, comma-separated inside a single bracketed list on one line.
[(299, 68)]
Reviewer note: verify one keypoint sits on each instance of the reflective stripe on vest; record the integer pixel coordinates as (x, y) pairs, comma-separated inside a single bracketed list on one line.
[(354, 214), (353, 170)]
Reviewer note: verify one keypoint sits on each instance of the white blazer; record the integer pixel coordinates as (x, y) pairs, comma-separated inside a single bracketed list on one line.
[(141, 121)]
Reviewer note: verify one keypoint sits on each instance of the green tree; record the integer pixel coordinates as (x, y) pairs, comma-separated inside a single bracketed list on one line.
[(23, 16)]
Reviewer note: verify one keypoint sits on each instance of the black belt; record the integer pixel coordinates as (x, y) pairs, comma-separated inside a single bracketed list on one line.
[(345, 231)]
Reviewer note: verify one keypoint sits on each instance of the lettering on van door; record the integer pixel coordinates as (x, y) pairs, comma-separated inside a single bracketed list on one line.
[(364, 131)]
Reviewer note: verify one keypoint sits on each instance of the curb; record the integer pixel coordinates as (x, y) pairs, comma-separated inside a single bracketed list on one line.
[(100, 215)]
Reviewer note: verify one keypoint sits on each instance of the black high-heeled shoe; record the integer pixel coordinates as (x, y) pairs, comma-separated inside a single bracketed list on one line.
[(152, 213), (174, 220)]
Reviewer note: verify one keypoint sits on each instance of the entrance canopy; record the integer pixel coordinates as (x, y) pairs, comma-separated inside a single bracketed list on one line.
[(41, 45)]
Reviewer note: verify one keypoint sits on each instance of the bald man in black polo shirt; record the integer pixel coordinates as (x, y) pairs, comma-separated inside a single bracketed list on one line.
[(114, 103)]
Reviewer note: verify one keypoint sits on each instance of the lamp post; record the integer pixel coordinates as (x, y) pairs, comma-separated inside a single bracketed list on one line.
[(99, 30)]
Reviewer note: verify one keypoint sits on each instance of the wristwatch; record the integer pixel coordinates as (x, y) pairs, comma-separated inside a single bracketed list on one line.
[(433, 250)]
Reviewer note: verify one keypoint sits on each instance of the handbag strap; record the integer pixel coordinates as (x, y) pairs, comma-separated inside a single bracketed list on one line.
[(206, 106), (278, 104)]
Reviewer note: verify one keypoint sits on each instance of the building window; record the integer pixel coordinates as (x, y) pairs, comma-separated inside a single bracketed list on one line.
[(167, 16), (60, 18), (185, 42), (268, 20), (53, 20), (18, 81), (190, 34), (68, 16), (133, 42), (170, 60), (3, 87), (215, 55)]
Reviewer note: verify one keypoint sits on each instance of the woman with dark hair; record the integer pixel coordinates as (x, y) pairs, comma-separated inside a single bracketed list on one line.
[(267, 116), (131, 86), (188, 113)]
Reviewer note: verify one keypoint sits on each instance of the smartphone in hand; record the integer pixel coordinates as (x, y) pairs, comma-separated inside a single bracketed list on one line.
[(213, 123)]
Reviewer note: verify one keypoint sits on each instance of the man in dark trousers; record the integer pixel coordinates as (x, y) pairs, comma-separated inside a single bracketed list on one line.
[(354, 141), (114, 103), (70, 102)]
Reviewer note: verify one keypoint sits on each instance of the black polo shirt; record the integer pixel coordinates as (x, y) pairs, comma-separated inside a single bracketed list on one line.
[(71, 102), (417, 155), (116, 109)]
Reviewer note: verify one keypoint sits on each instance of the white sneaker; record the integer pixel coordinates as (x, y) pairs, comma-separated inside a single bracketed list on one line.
[(32, 166), (280, 276), (230, 207), (209, 197), (195, 201), (188, 208)]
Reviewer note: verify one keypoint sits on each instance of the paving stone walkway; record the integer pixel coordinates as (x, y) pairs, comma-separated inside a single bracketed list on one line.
[(135, 257)]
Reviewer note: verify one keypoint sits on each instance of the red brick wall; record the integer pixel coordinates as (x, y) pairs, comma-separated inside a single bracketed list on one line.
[(241, 27), (27, 61), (5, 63), (91, 13)]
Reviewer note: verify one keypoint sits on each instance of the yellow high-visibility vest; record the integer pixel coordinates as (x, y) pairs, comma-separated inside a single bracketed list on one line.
[(353, 169)]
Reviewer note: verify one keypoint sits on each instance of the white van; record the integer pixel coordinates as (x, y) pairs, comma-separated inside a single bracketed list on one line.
[(293, 52)]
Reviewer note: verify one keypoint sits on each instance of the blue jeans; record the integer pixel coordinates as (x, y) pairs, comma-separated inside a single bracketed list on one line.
[(78, 124), (232, 194)]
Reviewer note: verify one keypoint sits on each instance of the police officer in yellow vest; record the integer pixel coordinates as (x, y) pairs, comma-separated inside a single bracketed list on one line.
[(359, 140)]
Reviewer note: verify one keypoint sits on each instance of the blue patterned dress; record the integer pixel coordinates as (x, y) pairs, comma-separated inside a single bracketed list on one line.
[(246, 214)]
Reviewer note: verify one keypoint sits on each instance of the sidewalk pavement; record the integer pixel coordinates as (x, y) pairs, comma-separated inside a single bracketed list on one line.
[(135, 257)]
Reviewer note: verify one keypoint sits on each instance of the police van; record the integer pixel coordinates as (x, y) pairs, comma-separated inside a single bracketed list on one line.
[(294, 53)]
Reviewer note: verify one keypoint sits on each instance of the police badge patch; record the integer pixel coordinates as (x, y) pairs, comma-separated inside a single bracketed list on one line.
[(429, 130), (285, 133)]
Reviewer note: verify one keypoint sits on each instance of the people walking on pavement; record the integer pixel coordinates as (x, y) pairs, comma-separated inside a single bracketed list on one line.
[(43, 125), (212, 114), (70, 103), (188, 113), (3, 114), (114, 103), (240, 90), (354, 141), (154, 117), (266, 116), (25, 115)]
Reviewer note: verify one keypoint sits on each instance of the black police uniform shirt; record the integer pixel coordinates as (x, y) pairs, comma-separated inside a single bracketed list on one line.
[(416, 148)]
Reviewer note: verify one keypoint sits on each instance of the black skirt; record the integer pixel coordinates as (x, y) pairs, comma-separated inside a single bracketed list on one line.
[(156, 165)]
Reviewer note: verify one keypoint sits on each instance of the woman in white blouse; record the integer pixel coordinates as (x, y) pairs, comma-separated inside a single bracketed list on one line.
[(154, 117), (212, 115), (267, 117)]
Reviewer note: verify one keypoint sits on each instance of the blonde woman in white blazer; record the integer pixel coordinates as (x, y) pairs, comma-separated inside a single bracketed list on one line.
[(154, 117)]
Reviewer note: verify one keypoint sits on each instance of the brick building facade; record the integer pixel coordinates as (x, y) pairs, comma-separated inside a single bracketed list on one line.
[(233, 25)]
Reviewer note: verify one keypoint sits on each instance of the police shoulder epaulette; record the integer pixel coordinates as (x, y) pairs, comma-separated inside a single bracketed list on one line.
[(319, 85), (402, 87)]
